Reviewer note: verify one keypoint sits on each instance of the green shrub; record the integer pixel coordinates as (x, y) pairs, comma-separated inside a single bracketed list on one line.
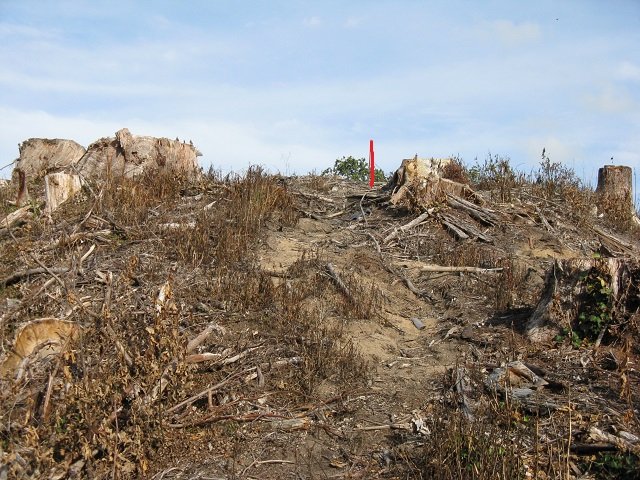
[(356, 169)]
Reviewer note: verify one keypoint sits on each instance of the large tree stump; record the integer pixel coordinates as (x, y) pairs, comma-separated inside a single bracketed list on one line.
[(418, 183), (605, 288), (614, 194)]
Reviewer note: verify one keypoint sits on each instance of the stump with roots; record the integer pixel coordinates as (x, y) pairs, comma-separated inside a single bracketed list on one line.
[(589, 297)]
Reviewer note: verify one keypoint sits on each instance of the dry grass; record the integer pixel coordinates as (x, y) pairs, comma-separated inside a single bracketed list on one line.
[(94, 407), (456, 171)]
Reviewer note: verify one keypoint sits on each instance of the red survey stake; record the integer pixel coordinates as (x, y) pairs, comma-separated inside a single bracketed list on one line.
[(372, 165)]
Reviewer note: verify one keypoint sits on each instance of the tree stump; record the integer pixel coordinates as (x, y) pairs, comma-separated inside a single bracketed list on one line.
[(614, 194), (586, 296)]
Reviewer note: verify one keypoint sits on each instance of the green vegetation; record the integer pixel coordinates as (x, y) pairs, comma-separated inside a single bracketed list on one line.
[(616, 466), (356, 169), (596, 313)]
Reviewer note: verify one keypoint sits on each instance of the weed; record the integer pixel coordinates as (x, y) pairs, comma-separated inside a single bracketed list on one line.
[(497, 175), (609, 466), (596, 308), (553, 179)]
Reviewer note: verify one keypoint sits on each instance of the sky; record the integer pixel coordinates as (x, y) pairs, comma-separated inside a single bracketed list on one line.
[(293, 85)]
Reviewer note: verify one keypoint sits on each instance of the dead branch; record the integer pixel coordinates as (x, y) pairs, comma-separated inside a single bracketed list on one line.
[(375, 242), (16, 216), (249, 417), (202, 336), (262, 462), (457, 232), (544, 220), (483, 215), (442, 268), (204, 392), (416, 221), (618, 242), (337, 280), (460, 389), (462, 229), (315, 197), (18, 276), (74, 237), (620, 443), (390, 426), (202, 357), (592, 448)]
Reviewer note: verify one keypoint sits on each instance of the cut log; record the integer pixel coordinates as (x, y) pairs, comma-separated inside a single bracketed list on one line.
[(580, 286)]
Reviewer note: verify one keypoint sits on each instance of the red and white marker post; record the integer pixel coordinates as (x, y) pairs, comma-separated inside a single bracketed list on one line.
[(372, 165)]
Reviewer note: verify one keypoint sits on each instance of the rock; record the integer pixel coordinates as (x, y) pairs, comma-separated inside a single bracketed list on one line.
[(38, 156), (130, 155)]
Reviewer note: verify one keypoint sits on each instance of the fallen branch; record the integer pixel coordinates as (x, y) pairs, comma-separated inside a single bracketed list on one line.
[(592, 448), (262, 462), (462, 229), (202, 336), (337, 280), (621, 444), (204, 393), (416, 221), (460, 389), (74, 237), (16, 277), (249, 417), (15, 217), (389, 426), (544, 220), (442, 268), (207, 391), (481, 214), (316, 197)]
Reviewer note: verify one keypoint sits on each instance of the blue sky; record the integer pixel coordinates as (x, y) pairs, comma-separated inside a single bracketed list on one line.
[(293, 85)]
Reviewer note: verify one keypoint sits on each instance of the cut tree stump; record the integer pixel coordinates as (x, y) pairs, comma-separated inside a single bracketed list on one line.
[(418, 184), (615, 193), (565, 294), (58, 188)]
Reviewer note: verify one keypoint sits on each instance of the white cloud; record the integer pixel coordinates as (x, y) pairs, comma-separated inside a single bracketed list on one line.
[(353, 22), (611, 100), (11, 30), (312, 22), (558, 150), (513, 34), (628, 71)]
